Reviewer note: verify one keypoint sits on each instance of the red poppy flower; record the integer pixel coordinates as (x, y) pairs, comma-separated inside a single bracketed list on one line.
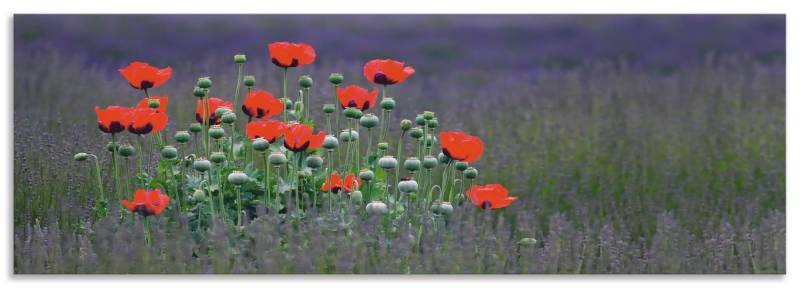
[(162, 101), (213, 104), (143, 76), (287, 54), (147, 203), (146, 120), (334, 183), (489, 196), (354, 96), (387, 71), (261, 104), (269, 130), (461, 146), (299, 137), (113, 119)]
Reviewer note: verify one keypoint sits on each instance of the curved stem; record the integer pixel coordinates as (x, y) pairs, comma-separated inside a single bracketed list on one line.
[(99, 177)]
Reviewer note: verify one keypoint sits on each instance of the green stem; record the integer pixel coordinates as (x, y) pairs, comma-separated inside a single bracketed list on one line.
[(238, 205), (285, 85), (267, 198), (327, 180), (114, 165), (369, 146), (99, 177)]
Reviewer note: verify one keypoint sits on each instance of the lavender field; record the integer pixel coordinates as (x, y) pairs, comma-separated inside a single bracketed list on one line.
[(634, 143)]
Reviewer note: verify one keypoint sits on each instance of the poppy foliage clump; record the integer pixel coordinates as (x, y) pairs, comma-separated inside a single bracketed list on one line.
[(271, 153)]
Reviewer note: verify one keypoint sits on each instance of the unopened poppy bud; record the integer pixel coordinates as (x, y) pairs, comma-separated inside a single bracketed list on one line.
[(314, 161), (366, 175), (356, 196), (349, 135), (216, 131), (443, 158), (249, 80), (445, 208), (433, 123), (328, 108), (330, 142), (204, 82), (405, 124), (305, 81), (416, 133), (260, 144), (428, 115), (287, 104), (182, 136), (239, 58), (408, 185), (195, 128), (221, 111), (377, 208), (412, 164), (369, 121), (351, 112), (199, 195), (229, 118), (387, 103), (526, 242), (153, 103), (111, 146), (169, 152), (201, 165), (217, 157), (277, 158), (429, 162), (336, 78), (127, 150), (80, 156), (237, 178), (199, 92), (461, 166), (383, 146), (420, 120), (471, 173), (387, 162)]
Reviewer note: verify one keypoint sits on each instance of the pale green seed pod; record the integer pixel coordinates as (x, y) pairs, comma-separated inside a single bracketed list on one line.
[(305, 81), (416, 133), (249, 80), (412, 164), (388, 104), (182, 136), (356, 196), (239, 58), (195, 128), (445, 208), (405, 124), (127, 150), (199, 195), (169, 152), (80, 156), (408, 185), (216, 131), (387, 162), (366, 175), (383, 146), (217, 157), (443, 158), (461, 166), (153, 103), (229, 118), (330, 142), (429, 162), (204, 82), (260, 144), (314, 161), (201, 165), (336, 78), (377, 208), (368, 121), (237, 178), (277, 158), (349, 135), (471, 173)]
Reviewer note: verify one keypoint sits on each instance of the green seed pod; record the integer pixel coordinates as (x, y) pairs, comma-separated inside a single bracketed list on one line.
[(216, 131), (387, 162), (217, 157), (369, 121), (428, 115), (229, 118), (387, 103), (526, 242), (356, 196), (336, 78), (111, 146), (461, 166), (204, 82), (416, 133), (328, 108), (420, 120), (429, 162), (366, 175), (352, 113), (314, 161), (408, 185), (260, 144), (377, 208), (182, 136), (195, 128), (237, 178), (201, 165), (330, 142), (239, 58), (430, 140), (433, 123), (249, 80), (383, 146), (153, 103), (221, 111), (435, 207), (349, 135), (80, 156), (443, 158), (405, 124), (277, 158), (471, 173), (287, 104), (305, 81), (199, 195), (445, 208), (127, 150), (412, 164), (169, 152), (199, 92)]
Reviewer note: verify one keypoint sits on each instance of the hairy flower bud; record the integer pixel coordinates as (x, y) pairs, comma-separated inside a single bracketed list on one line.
[(336, 78), (433, 123), (182, 136), (169, 152), (420, 120), (199, 195), (428, 115), (356, 196), (349, 135)]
